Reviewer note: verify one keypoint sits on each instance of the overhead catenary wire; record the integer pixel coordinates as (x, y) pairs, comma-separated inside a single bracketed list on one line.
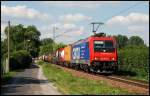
[(124, 10), (64, 33)]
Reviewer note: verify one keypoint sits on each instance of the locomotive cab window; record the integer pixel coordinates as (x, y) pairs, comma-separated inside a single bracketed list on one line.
[(109, 44), (100, 46)]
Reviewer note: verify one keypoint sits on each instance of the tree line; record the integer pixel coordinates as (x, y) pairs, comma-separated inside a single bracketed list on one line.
[(123, 41), (28, 38), (25, 44)]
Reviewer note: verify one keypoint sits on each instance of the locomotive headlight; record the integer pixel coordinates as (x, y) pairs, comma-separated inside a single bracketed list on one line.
[(113, 58), (96, 58)]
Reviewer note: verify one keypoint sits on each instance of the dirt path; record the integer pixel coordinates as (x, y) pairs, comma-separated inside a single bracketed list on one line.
[(29, 82)]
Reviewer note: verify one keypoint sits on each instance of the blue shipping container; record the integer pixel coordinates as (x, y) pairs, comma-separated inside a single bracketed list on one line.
[(80, 51)]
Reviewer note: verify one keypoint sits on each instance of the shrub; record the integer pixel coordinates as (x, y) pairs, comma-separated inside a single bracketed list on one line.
[(20, 59), (135, 59)]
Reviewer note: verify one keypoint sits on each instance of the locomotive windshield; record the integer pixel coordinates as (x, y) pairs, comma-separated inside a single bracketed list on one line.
[(104, 46)]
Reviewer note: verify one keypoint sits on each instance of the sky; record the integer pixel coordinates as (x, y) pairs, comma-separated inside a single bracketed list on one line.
[(130, 18)]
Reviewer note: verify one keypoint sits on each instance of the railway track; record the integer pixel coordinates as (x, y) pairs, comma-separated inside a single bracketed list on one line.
[(123, 79), (129, 81)]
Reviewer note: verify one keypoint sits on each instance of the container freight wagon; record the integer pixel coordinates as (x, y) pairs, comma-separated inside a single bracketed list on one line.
[(80, 54), (67, 55), (47, 58), (60, 56), (95, 53)]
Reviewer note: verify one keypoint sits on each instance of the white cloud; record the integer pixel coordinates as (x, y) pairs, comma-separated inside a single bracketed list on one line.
[(83, 4), (136, 28), (74, 17), (138, 18), (132, 24), (64, 26), (117, 20), (79, 31), (47, 31), (21, 11), (67, 32), (132, 18), (69, 26)]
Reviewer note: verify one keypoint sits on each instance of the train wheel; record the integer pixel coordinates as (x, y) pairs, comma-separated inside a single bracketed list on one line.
[(115, 69), (77, 67), (68, 65), (72, 65), (87, 68), (81, 66)]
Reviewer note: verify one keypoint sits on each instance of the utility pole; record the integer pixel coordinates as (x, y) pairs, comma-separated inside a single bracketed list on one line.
[(54, 29), (53, 36), (98, 24), (7, 66), (54, 33)]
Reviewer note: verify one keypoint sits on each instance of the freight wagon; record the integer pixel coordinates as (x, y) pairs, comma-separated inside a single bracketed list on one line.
[(60, 56), (67, 55)]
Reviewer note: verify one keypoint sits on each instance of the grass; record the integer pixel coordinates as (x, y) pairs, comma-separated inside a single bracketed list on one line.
[(135, 73), (141, 75), (72, 85), (6, 77)]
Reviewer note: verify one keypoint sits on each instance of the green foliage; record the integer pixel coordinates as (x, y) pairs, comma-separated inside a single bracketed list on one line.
[(48, 46), (6, 77), (121, 40), (46, 41), (46, 49), (135, 40), (73, 85), (135, 59), (3, 49), (20, 59), (59, 45), (22, 38)]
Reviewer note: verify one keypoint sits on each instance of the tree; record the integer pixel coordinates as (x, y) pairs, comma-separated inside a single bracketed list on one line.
[(46, 46), (59, 45), (16, 35), (136, 40), (22, 38), (46, 41), (46, 49), (122, 40)]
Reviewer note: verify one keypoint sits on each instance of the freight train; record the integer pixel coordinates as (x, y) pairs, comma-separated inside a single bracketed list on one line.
[(95, 53)]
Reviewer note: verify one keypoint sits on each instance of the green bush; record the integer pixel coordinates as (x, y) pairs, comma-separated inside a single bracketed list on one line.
[(20, 59), (134, 59)]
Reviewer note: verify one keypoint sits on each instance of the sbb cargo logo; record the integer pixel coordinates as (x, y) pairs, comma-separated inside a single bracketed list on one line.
[(76, 53)]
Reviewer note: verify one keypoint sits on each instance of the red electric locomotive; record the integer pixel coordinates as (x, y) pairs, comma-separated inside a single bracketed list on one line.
[(95, 53), (103, 53)]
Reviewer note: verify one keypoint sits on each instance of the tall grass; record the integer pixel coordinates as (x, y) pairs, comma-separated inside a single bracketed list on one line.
[(72, 85)]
